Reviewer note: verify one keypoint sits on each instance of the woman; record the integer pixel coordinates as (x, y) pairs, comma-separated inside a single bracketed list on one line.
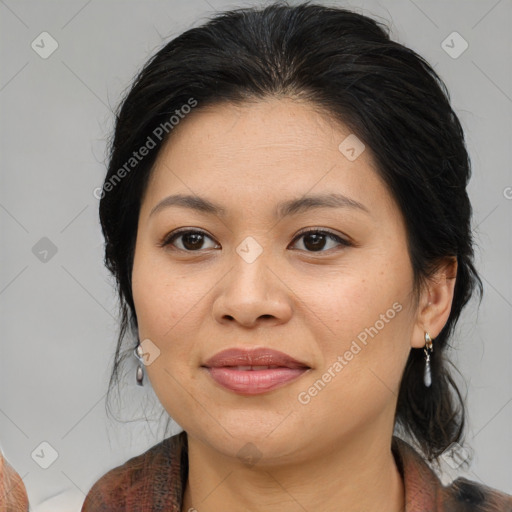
[(290, 180), (286, 216)]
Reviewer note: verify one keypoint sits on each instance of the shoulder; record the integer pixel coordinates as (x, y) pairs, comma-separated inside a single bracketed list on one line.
[(140, 480), (464, 495), (425, 491)]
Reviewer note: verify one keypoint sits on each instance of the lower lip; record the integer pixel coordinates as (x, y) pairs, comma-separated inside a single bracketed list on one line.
[(254, 382)]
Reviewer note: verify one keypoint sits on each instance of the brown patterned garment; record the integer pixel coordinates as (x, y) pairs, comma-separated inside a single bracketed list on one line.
[(13, 495), (154, 482)]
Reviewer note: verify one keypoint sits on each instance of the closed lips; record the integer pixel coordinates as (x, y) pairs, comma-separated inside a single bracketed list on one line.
[(245, 368), (253, 371), (255, 359)]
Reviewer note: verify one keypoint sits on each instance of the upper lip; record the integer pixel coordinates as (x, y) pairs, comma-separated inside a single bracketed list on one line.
[(253, 357)]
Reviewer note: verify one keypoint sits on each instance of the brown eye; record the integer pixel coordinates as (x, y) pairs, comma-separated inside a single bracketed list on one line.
[(191, 240), (315, 240)]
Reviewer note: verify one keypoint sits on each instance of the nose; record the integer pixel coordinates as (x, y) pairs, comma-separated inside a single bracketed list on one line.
[(253, 292)]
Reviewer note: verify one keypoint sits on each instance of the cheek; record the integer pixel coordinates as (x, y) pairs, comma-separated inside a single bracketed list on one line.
[(346, 303), (165, 315), (364, 349), (161, 296), (362, 318)]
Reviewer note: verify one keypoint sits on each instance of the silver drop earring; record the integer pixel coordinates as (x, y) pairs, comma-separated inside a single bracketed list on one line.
[(138, 353), (429, 348)]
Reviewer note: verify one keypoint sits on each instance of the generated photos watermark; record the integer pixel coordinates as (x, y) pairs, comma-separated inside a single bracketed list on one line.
[(151, 142), (305, 397)]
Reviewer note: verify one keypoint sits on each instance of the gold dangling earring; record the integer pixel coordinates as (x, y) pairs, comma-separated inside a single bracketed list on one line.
[(429, 348)]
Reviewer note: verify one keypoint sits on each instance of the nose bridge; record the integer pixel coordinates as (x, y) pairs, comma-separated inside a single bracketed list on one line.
[(250, 272), (252, 290)]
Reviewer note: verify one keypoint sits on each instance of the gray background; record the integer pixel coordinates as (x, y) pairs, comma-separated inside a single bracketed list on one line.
[(58, 317)]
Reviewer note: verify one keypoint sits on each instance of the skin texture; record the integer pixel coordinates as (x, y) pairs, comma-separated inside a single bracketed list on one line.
[(13, 495), (333, 452)]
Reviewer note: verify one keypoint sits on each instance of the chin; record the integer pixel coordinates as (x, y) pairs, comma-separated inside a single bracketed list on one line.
[(263, 444)]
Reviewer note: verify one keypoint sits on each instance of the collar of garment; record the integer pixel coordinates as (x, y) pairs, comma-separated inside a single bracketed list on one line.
[(155, 481)]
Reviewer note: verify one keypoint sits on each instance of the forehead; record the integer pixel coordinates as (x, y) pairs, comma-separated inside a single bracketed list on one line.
[(261, 151), (257, 126)]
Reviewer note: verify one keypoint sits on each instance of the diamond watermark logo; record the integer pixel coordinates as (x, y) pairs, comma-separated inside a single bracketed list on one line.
[(351, 147), (148, 351), (44, 250), (44, 455), (44, 45), (454, 45), (249, 249), (455, 455), (249, 454)]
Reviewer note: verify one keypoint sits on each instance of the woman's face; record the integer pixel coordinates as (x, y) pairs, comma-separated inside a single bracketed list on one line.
[(245, 277)]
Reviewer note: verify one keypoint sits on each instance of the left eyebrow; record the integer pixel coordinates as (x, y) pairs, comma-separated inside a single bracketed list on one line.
[(306, 203), (283, 209)]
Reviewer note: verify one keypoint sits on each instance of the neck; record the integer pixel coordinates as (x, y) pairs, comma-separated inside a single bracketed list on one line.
[(361, 475)]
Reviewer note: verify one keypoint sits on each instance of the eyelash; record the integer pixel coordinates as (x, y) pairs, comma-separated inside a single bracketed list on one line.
[(169, 238)]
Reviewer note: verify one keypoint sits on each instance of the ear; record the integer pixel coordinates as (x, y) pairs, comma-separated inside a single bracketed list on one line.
[(435, 303)]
